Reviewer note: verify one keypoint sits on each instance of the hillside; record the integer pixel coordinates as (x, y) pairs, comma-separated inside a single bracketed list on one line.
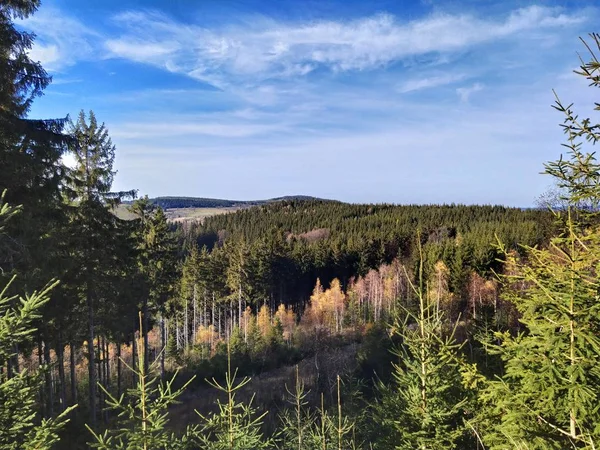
[(200, 202)]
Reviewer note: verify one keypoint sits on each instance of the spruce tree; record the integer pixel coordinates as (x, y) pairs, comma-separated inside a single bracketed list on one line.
[(548, 395), (156, 262), (30, 153), (20, 424), (425, 405), (32, 172), (98, 235), (143, 416), (235, 425)]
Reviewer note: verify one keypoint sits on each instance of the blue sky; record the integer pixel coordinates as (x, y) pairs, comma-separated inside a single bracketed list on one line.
[(436, 101)]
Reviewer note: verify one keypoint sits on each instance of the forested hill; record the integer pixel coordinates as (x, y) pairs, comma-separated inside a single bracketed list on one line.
[(292, 243), (200, 202), (350, 223)]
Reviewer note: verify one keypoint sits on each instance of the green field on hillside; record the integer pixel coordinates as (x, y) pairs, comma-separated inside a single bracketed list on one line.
[(179, 214)]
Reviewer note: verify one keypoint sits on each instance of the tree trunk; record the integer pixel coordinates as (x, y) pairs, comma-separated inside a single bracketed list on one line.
[(91, 360), (48, 377), (40, 364), (16, 364), (240, 305), (106, 350), (60, 354), (177, 340), (107, 362), (205, 321), (163, 345), (101, 395), (185, 326), (9, 368), (194, 318), (118, 369), (134, 358), (73, 377), (145, 331), (219, 320)]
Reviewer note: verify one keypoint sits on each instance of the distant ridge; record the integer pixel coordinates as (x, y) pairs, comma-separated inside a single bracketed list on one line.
[(199, 202)]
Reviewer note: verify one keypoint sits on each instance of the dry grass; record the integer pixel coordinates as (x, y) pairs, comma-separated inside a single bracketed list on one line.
[(193, 214), (179, 214), (268, 390)]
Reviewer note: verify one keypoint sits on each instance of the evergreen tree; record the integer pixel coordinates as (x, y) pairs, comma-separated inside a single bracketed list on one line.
[(549, 392), (98, 235), (425, 405), (143, 416), (235, 425), (32, 172), (303, 429), (156, 263), (20, 423)]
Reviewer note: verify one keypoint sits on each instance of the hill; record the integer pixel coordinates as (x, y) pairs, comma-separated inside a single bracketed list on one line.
[(200, 202)]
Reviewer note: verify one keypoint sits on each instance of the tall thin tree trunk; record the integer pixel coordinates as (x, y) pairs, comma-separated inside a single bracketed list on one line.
[(240, 305), (177, 340), (48, 377), (134, 358), (100, 376), (205, 315), (60, 354), (73, 376), (185, 326), (91, 359), (163, 345), (194, 318), (40, 364), (219, 319), (145, 331), (106, 350), (572, 356), (107, 362), (118, 369)]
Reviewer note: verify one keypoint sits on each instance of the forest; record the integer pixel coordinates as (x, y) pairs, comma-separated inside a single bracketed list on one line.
[(195, 202), (294, 323)]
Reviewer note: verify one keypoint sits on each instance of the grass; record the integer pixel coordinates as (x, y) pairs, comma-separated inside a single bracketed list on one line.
[(179, 214), (185, 214)]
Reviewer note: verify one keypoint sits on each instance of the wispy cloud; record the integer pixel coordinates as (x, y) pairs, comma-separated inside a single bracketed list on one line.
[(61, 40), (268, 49), (272, 49), (465, 93), (190, 128), (430, 82)]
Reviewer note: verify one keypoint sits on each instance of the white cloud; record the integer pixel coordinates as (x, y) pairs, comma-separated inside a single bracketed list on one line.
[(61, 40), (174, 127), (465, 93), (430, 82), (267, 49), (282, 50)]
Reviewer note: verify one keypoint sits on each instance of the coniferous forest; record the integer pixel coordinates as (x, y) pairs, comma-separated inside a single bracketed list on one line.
[(293, 323)]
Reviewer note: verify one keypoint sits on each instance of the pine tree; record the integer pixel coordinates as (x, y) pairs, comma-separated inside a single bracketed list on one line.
[(549, 393), (235, 425), (143, 416), (19, 419), (32, 171), (304, 429), (156, 262), (425, 406), (99, 238)]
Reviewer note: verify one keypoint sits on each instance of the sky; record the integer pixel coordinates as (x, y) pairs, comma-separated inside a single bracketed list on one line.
[(432, 101)]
